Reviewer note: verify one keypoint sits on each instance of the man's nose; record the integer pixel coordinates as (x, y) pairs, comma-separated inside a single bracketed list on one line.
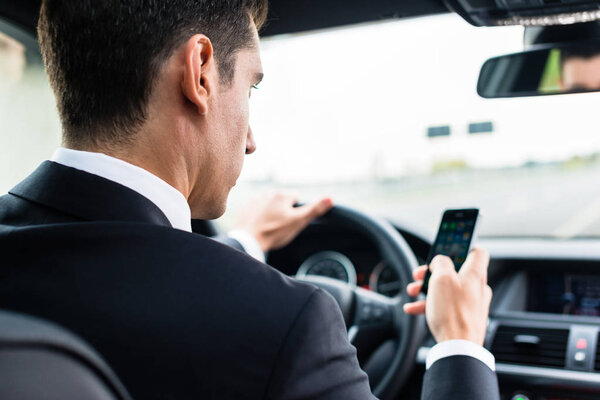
[(250, 143)]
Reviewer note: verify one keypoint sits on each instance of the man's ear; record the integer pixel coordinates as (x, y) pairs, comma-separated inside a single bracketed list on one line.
[(199, 72)]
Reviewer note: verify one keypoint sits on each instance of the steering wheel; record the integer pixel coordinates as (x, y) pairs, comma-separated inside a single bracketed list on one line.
[(370, 316)]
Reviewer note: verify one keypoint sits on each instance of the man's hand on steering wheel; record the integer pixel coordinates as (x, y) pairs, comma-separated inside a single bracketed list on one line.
[(457, 304), (273, 220)]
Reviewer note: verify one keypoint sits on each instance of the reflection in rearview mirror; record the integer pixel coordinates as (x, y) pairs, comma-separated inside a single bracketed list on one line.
[(542, 71)]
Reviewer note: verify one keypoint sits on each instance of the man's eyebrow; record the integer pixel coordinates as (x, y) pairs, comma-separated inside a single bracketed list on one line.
[(258, 77)]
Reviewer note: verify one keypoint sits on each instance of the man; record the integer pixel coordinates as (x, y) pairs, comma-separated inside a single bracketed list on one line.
[(153, 98)]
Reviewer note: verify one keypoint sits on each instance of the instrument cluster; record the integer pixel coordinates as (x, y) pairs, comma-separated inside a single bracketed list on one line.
[(380, 278)]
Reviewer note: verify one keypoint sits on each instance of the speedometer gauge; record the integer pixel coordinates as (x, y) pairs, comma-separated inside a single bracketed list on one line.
[(330, 264), (384, 280)]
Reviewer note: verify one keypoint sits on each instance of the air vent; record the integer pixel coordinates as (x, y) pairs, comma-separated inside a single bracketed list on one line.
[(531, 346)]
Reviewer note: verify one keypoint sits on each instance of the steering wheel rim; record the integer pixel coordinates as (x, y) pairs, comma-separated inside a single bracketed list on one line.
[(408, 330)]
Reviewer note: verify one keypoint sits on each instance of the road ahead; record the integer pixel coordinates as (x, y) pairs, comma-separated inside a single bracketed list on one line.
[(548, 201)]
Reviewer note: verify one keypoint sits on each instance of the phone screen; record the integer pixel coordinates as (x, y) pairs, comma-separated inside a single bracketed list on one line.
[(454, 238)]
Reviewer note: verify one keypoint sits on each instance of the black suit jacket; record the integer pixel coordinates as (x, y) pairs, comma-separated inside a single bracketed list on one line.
[(177, 315)]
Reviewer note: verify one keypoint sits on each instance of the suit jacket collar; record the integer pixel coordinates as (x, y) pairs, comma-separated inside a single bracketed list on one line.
[(87, 196)]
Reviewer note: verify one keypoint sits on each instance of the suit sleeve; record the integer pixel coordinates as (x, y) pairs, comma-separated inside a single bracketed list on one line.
[(316, 360), (460, 377)]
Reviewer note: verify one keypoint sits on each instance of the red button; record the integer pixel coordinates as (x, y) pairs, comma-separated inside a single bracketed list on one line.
[(582, 344)]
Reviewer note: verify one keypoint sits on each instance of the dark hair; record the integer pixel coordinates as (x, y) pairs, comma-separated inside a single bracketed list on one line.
[(102, 56), (585, 52)]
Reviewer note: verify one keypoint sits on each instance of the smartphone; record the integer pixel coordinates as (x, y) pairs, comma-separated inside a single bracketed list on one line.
[(454, 238)]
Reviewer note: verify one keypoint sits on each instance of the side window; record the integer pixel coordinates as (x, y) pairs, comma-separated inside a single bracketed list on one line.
[(29, 124)]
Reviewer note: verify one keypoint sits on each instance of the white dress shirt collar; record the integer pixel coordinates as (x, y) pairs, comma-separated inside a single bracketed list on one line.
[(168, 199)]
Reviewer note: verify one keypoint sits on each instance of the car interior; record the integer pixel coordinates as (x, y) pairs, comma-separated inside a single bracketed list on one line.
[(544, 324)]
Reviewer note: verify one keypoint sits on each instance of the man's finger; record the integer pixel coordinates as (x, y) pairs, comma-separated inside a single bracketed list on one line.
[(414, 288), (476, 264), (420, 272), (312, 211), (416, 308)]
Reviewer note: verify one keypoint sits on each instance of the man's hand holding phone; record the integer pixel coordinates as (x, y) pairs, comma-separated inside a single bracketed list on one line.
[(457, 304)]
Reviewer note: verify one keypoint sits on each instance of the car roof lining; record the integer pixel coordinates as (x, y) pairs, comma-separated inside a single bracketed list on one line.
[(23, 13), (307, 15), (285, 16)]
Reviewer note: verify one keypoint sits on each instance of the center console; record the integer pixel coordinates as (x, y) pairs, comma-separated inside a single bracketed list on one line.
[(544, 333)]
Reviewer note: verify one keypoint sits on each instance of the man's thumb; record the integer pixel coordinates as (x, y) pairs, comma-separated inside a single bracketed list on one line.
[(476, 264)]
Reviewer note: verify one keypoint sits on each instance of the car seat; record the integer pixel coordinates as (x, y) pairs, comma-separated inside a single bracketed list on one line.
[(39, 360)]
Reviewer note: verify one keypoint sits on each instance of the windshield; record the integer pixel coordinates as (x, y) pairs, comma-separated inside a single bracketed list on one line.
[(386, 118), (383, 117)]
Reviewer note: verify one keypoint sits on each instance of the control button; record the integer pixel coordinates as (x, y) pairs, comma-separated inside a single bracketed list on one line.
[(581, 344), (367, 311), (579, 357), (520, 397), (378, 313)]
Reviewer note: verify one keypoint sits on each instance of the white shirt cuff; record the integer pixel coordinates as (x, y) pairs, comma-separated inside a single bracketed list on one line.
[(249, 243), (460, 348)]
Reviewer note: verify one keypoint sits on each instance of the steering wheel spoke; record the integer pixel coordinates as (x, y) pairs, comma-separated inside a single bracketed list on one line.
[(373, 311)]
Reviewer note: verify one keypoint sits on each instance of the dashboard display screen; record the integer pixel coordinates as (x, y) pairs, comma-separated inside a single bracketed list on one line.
[(570, 294)]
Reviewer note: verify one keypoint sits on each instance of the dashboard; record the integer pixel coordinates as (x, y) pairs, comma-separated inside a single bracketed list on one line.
[(544, 323), (544, 319), (341, 253)]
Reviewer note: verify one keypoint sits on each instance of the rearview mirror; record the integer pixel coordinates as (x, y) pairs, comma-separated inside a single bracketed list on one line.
[(545, 70)]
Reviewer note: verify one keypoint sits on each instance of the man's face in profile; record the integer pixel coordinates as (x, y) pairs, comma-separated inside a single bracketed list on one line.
[(580, 73), (229, 130)]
